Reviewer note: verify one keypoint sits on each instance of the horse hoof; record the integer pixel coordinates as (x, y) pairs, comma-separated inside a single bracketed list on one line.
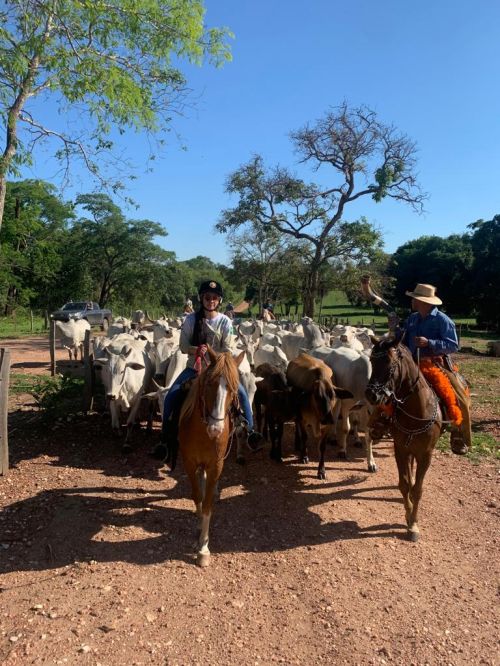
[(413, 536), (322, 474), (203, 559), (372, 467), (160, 452), (305, 460), (240, 460)]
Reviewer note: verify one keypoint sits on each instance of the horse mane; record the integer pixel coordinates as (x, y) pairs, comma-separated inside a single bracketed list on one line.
[(224, 365)]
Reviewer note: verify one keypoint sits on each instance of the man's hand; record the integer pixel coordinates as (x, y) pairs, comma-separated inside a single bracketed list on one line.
[(202, 350), (421, 342)]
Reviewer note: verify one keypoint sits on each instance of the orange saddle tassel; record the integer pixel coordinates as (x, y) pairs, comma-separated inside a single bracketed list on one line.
[(443, 388)]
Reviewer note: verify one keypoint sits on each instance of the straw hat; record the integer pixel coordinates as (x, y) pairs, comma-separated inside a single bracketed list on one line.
[(425, 293)]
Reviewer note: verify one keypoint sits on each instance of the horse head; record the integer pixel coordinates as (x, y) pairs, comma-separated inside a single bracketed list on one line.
[(385, 360)]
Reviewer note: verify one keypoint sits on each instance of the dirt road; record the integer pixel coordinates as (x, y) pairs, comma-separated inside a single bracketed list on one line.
[(97, 558)]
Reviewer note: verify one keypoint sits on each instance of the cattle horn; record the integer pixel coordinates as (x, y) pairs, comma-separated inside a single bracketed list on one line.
[(370, 295)]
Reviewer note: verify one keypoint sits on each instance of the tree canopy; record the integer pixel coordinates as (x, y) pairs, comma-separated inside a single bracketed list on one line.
[(444, 262), (367, 158), (117, 64)]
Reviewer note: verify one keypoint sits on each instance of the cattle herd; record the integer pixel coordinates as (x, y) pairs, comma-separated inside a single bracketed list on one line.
[(302, 372)]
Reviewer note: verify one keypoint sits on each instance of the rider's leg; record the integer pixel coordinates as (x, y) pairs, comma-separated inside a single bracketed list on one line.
[(170, 405), (461, 436), (255, 440)]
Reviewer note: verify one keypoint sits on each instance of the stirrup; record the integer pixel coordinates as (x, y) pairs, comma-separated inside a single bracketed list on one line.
[(255, 441)]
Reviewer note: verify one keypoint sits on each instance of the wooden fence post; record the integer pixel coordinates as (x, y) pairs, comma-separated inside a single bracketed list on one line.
[(88, 362), (52, 347), (4, 410), (31, 320)]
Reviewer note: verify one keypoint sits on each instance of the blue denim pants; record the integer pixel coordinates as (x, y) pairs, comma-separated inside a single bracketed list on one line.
[(174, 397)]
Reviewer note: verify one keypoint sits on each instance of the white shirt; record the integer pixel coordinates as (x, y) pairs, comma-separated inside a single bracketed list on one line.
[(218, 333)]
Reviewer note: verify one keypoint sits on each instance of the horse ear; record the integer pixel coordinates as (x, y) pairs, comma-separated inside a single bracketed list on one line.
[(374, 339), (211, 354), (240, 357)]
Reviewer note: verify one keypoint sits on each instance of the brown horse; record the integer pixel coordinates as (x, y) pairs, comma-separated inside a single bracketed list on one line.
[(399, 387), (205, 426)]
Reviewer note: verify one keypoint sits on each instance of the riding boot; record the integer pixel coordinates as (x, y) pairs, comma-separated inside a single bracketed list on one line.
[(166, 449), (255, 441)]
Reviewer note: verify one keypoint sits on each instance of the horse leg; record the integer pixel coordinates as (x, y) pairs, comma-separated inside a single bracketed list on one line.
[(203, 558), (193, 474), (363, 425), (404, 471), (342, 430), (423, 463), (322, 448)]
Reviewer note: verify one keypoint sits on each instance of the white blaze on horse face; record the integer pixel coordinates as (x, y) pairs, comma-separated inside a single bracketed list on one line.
[(217, 416)]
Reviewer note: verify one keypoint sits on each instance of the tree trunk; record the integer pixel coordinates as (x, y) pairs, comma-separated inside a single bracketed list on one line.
[(310, 292), (3, 192)]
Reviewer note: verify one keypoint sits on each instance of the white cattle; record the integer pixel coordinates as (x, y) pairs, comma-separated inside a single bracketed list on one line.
[(163, 350), (292, 344), (72, 334), (270, 339), (312, 333), (352, 371), (119, 325), (346, 340), (126, 375), (245, 340), (272, 355)]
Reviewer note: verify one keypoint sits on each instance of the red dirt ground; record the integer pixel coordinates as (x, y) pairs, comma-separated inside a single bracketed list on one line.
[(97, 556)]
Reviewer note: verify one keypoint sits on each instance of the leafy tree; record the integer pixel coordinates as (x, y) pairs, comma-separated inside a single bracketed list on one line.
[(368, 159), (31, 238), (258, 258), (484, 288), (444, 262), (203, 268), (117, 254), (116, 63)]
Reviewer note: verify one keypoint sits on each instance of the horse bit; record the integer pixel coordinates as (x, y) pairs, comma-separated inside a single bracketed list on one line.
[(383, 388)]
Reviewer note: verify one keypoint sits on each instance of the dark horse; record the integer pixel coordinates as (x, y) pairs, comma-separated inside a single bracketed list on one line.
[(205, 427), (398, 386)]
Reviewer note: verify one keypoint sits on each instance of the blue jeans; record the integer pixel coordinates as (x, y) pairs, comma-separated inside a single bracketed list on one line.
[(173, 398)]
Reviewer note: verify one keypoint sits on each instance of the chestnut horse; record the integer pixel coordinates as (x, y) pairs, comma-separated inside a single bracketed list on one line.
[(205, 425), (398, 386)]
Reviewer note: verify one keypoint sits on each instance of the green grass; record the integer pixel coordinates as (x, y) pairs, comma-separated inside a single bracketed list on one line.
[(19, 325), (484, 446), (58, 397)]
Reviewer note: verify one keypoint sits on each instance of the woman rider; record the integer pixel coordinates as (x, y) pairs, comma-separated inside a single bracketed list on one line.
[(206, 326)]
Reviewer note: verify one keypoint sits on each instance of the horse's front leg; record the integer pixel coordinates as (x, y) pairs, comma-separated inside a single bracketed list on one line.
[(423, 463), (212, 477), (322, 448), (404, 471)]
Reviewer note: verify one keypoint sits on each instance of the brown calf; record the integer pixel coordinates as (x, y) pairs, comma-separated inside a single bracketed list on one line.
[(315, 395)]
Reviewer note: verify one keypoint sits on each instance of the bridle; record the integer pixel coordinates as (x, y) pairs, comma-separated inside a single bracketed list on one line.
[(390, 391)]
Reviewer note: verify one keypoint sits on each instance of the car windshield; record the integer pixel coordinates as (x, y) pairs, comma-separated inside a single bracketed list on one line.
[(75, 306)]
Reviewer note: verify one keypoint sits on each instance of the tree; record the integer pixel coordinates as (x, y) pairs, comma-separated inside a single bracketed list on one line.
[(368, 158), (257, 257), (117, 254), (485, 280), (32, 237), (444, 262), (113, 62)]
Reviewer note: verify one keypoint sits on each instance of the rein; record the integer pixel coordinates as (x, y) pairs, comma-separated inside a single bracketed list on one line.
[(399, 402)]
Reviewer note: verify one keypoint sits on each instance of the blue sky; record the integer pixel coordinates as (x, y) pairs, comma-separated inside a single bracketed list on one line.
[(431, 68)]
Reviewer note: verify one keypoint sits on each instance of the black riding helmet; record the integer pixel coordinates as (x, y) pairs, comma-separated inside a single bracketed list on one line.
[(211, 286)]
